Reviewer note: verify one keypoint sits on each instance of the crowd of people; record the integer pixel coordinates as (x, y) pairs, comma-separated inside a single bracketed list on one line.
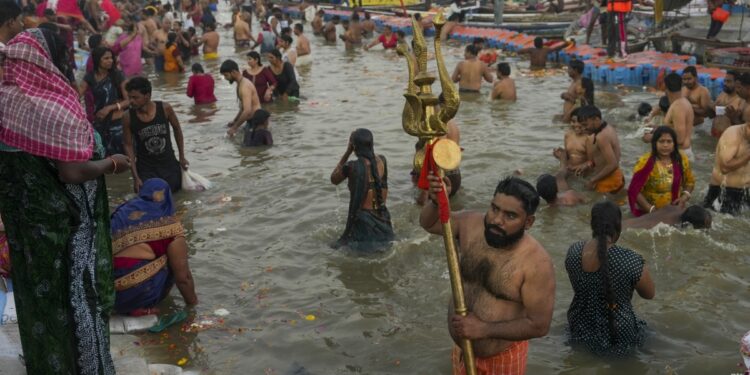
[(54, 153)]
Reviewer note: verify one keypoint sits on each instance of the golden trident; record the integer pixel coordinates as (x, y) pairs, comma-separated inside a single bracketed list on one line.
[(420, 119)]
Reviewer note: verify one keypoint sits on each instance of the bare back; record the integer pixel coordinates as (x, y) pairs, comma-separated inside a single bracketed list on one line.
[(680, 117), (504, 89), (602, 147), (303, 45), (211, 42), (370, 196), (471, 73)]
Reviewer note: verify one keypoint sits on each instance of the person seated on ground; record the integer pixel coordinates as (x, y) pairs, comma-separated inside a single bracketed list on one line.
[(505, 87), (729, 187), (454, 134), (662, 176), (555, 189), (368, 223), (388, 39), (727, 102), (150, 251), (579, 93), (256, 131), (485, 55), (603, 276), (469, 73), (538, 54), (575, 142), (201, 86), (681, 216)]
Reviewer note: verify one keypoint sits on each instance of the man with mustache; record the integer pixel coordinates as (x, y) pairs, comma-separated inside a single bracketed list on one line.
[(508, 278), (246, 94), (728, 106)]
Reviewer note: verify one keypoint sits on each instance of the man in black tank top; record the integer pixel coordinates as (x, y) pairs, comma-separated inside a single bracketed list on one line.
[(147, 125)]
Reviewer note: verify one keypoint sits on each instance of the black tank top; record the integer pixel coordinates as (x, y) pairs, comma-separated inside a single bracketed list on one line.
[(153, 140)]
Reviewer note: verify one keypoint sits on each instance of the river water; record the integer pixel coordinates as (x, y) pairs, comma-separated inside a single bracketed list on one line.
[(260, 238)]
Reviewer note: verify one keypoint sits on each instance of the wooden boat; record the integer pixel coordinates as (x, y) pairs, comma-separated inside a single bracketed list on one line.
[(733, 58)]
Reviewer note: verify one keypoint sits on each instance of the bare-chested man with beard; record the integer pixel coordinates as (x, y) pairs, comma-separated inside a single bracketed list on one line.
[(246, 94), (728, 102), (508, 278), (697, 94)]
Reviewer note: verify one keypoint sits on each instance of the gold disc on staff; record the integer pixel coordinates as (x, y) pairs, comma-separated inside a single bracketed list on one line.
[(447, 154)]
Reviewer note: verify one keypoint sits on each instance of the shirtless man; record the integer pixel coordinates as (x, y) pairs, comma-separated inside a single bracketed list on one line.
[(504, 88), (508, 277), (579, 92), (329, 31), (698, 95), (731, 171), (538, 54), (469, 73), (727, 102), (353, 36), (679, 116), (677, 215), (303, 44), (149, 25), (317, 22), (159, 38), (604, 153), (555, 189), (368, 26), (248, 97), (210, 42), (242, 32)]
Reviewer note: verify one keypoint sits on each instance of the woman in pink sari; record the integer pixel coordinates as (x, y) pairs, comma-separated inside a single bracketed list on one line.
[(129, 47)]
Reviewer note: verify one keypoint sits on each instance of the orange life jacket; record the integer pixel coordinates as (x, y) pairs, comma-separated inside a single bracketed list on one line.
[(620, 6)]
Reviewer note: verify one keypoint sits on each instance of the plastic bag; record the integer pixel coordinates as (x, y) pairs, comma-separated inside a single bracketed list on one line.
[(194, 182)]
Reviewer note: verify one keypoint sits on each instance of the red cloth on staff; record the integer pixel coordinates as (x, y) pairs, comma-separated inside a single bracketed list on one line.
[(424, 184)]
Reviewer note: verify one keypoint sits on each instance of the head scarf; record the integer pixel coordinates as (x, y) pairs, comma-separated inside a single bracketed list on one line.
[(39, 110), (148, 217)]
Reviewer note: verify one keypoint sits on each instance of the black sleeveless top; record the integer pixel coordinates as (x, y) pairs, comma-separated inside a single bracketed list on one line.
[(153, 141)]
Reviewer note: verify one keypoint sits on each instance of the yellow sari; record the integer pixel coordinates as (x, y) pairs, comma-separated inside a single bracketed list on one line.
[(658, 188)]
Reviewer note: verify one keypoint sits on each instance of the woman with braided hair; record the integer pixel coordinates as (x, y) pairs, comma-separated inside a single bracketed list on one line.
[(368, 223), (603, 276)]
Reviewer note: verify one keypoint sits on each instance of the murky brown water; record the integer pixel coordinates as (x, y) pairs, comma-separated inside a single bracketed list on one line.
[(264, 255)]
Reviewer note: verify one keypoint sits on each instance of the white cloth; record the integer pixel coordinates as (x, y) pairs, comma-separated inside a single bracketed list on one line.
[(689, 153)]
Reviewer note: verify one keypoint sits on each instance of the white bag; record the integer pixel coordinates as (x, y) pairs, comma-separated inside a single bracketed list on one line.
[(194, 182), (188, 24)]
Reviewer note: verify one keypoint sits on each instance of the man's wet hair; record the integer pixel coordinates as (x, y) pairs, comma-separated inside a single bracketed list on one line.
[(577, 65), (673, 81), (589, 111), (521, 190), (197, 68), (9, 10), (735, 74), (697, 216), (140, 84), (472, 49), (401, 34), (503, 68), (644, 109), (546, 186), (229, 66), (299, 27), (539, 42), (664, 104), (690, 69)]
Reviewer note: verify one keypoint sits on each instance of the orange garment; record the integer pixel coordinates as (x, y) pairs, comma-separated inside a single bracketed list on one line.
[(170, 59), (511, 361), (620, 6), (612, 183)]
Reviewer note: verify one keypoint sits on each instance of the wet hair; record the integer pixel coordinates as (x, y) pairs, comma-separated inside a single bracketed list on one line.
[(690, 69), (140, 84), (387, 27), (503, 68), (478, 40), (546, 186), (589, 111), (197, 68), (286, 31), (354, 17), (211, 26), (9, 10), (675, 155), (521, 190), (588, 90), (363, 147), (254, 55), (697, 216), (538, 42), (574, 113), (287, 39), (229, 66), (171, 38), (664, 104), (577, 66), (94, 41), (96, 56), (299, 27), (735, 74), (401, 34), (673, 81), (276, 53), (606, 225), (644, 109), (472, 49)]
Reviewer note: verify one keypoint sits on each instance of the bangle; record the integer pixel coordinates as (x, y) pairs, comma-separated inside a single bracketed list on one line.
[(114, 165), (118, 106), (685, 192), (651, 209)]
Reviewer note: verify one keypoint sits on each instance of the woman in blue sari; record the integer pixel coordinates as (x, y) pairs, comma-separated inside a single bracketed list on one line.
[(150, 251)]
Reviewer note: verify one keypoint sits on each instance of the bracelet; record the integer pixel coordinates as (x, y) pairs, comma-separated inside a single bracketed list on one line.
[(114, 165), (118, 106), (651, 209), (685, 192)]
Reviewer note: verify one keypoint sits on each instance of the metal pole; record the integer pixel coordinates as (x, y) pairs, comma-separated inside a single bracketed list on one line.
[(742, 20), (499, 4)]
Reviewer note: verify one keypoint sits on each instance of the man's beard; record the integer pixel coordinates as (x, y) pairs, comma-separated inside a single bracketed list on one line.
[(728, 90), (500, 240)]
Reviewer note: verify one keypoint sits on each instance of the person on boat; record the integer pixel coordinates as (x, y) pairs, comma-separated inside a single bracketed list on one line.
[(470, 72), (580, 92), (679, 116), (246, 94), (201, 86), (697, 94), (55, 210), (604, 163), (147, 124), (150, 251), (576, 143), (617, 12), (368, 223), (598, 13), (286, 79), (106, 85), (388, 39), (508, 277), (538, 54), (261, 76), (681, 216), (555, 189), (729, 187), (727, 105), (716, 25), (504, 87), (604, 276), (661, 177)]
